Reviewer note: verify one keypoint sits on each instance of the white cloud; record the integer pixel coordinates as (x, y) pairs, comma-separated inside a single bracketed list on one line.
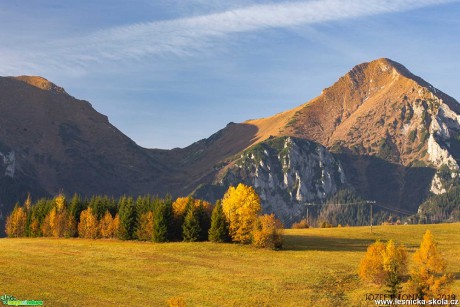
[(185, 35)]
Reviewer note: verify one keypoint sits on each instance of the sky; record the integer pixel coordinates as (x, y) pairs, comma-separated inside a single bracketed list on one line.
[(168, 73)]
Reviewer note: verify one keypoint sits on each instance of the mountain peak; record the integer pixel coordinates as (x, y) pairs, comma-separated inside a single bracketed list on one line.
[(41, 83)]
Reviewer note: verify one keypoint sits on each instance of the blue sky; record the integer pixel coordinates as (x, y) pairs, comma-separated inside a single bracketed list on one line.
[(170, 72)]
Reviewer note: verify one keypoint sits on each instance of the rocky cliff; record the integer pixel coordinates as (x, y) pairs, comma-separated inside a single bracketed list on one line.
[(380, 131), (288, 173)]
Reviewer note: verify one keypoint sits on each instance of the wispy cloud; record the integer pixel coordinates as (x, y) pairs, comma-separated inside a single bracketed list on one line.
[(186, 35)]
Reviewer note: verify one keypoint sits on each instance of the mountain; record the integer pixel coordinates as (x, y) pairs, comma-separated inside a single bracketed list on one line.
[(51, 141), (391, 131), (379, 131)]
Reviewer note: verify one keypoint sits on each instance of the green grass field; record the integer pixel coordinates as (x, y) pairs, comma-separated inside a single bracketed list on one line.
[(317, 268)]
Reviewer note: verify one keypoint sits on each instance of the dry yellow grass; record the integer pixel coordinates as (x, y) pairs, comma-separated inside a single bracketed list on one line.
[(317, 268)]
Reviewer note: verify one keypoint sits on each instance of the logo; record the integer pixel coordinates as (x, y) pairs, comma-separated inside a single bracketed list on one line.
[(10, 300)]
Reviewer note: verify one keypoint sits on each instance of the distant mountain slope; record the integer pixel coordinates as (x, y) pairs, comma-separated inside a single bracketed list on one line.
[(394, 136), (55, 142)]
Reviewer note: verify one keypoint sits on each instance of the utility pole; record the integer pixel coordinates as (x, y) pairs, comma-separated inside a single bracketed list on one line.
[(307, 218), (371, 217)]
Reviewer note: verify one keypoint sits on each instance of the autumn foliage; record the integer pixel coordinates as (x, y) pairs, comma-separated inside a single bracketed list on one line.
[(16, 223), (267, 232), (145, 229), (233, 219), (428, 275), (241, 205), (107, 226), (88, 226), (384, 264)]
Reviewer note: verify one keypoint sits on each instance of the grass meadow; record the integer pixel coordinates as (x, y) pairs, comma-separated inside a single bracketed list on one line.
[(318, 267)]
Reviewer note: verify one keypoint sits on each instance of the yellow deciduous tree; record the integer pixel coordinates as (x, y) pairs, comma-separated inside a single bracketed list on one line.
[(267, 232), (60, 202), (16, 223), (88, 226), (395, 266), (428, 275), (145, 227), (179, 207), (116, 226), (106, 226), (34, 227), (70, 226), (241, 206), (46, 226), (384, 264), (57, 222), (371, 266)]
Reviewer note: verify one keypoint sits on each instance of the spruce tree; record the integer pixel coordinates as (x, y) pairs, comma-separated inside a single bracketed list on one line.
[(204, 221), (161, 217), (191, 228), (219, 225), (76, 207), (127, 214)]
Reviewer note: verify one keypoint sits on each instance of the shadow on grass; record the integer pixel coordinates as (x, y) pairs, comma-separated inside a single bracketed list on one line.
[(320, 243), (331, 244)]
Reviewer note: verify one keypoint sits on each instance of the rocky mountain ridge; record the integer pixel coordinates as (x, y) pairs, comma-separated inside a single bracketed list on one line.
[(379, 131)]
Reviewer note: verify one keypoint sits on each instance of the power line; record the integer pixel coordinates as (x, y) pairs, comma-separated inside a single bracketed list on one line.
[(338, 204), (364, 202), (402, 211)]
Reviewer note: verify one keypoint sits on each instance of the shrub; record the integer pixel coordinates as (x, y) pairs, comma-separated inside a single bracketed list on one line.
[(267, 232), (303, 224)]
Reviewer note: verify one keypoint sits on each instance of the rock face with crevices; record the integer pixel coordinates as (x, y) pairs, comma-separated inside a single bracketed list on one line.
[(288, 174), (379, 131)]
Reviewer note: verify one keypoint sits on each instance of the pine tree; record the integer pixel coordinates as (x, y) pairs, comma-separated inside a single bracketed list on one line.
[(191, 228), (219, 225)]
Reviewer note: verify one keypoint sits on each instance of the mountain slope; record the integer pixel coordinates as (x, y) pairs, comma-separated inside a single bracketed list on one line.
[(391, 130), (59, 142), (392, 135)]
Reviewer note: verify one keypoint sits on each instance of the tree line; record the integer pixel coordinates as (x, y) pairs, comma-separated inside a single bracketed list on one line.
[(235, 218)]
